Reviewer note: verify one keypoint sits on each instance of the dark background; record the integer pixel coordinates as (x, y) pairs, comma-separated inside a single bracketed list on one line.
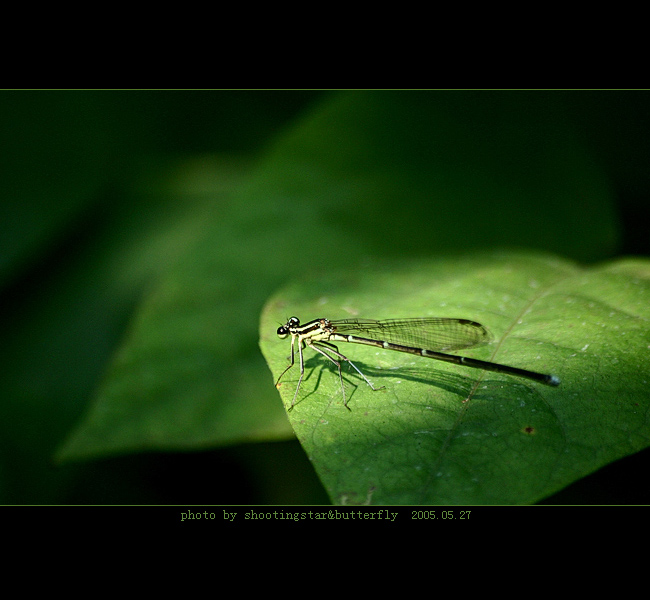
[(70, 161)]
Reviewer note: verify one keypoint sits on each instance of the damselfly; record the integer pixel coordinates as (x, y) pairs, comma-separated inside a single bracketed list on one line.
[(428, 337)]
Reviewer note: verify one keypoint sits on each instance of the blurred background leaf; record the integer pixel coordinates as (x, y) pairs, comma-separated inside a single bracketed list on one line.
[(160, 222)]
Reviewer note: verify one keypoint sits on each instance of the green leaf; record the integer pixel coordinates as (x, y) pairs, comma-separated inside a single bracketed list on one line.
[(444, 434), (180, 370), (362, 175)]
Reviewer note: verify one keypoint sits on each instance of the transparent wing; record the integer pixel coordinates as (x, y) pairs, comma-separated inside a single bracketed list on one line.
[(437, 334)]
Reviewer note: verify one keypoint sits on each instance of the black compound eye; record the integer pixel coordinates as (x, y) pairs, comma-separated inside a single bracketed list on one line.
[(285, 330)]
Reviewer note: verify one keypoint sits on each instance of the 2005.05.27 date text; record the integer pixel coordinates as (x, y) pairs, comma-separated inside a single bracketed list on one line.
[(440, 514)]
